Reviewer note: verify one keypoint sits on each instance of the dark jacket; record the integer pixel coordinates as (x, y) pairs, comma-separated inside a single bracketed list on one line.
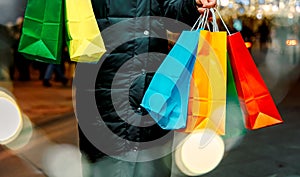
[(135, 38)]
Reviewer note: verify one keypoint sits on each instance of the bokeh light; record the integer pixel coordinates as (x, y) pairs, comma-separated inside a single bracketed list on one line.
[(24, 136), (195, 158), (63, 160), (10, 118)]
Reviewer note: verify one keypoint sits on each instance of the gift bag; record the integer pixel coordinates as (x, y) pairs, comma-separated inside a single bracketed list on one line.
[(207, 100), (235, 125), (166, 98), (84, 40), (42, 31), (256, 100)]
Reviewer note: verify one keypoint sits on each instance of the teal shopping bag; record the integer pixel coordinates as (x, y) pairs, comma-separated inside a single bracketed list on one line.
[(235, 125), (166, 98), (42, 31)]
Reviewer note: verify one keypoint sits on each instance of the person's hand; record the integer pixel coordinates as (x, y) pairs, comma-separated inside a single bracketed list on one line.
[(204, 4)]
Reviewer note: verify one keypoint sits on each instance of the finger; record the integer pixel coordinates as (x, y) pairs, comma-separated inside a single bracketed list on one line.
[(203, 2), (199, 3), (209, 4), (201, 10)]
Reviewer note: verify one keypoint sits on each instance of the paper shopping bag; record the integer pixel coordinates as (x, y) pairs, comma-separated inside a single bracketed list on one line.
[(207, 100), (84, 40), (256, 100), (42, 31), (166, 98), (235, 125)]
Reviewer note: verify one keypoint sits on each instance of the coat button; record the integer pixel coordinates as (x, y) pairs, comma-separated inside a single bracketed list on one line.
[(135, 148), (146, 32), (139, 109), (143, 71)]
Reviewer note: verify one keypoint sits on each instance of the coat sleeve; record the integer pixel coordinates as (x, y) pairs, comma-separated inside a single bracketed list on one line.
[(181, 10)]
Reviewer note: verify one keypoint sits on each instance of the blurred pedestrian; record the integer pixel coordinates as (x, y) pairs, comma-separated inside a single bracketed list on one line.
[(51, 68), (264, 35), (6, 55), (20, 62), (41, 67)]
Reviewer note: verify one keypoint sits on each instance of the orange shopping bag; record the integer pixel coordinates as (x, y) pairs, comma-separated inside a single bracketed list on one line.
[(207, 100)]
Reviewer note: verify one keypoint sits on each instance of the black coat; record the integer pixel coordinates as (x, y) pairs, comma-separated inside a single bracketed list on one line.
[(135, 37)]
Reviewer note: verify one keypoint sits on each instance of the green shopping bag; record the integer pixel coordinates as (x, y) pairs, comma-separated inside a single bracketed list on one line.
[(235, 125), (42, 31)]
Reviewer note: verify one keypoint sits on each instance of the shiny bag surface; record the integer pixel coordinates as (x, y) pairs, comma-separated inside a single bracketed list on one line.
[(235, 125), (42, 31), (84, 40), (166, 98), (207, 99), (256, 101)]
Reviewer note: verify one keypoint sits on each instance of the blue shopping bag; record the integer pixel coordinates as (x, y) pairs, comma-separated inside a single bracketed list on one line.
[(166, 98)]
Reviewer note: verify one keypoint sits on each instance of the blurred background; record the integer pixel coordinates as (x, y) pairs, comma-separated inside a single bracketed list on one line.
[(46, 144)]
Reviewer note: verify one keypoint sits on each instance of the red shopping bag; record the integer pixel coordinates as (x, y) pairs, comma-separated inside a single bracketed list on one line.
[(256, 100)]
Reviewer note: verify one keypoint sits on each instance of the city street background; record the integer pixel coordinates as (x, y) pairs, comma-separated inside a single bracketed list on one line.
[(51, 130), (48, 143)]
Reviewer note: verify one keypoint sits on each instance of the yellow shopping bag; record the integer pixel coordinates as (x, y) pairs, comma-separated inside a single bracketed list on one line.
[(207, 100), (84, 40)]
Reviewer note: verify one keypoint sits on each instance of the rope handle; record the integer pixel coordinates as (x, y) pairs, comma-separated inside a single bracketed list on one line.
[(213, 10), (201, 21)]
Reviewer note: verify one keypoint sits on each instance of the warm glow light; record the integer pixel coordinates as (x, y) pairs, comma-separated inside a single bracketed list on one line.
[(248, 44), (266, 8), (224, 3), (275, 8), (281, 5), (291, 42), (259, 15), (292, 9), (290, 16)]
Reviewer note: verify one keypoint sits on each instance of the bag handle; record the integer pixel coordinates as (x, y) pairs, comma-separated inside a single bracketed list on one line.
[(214, 23), (201, 21), (193, 27)]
